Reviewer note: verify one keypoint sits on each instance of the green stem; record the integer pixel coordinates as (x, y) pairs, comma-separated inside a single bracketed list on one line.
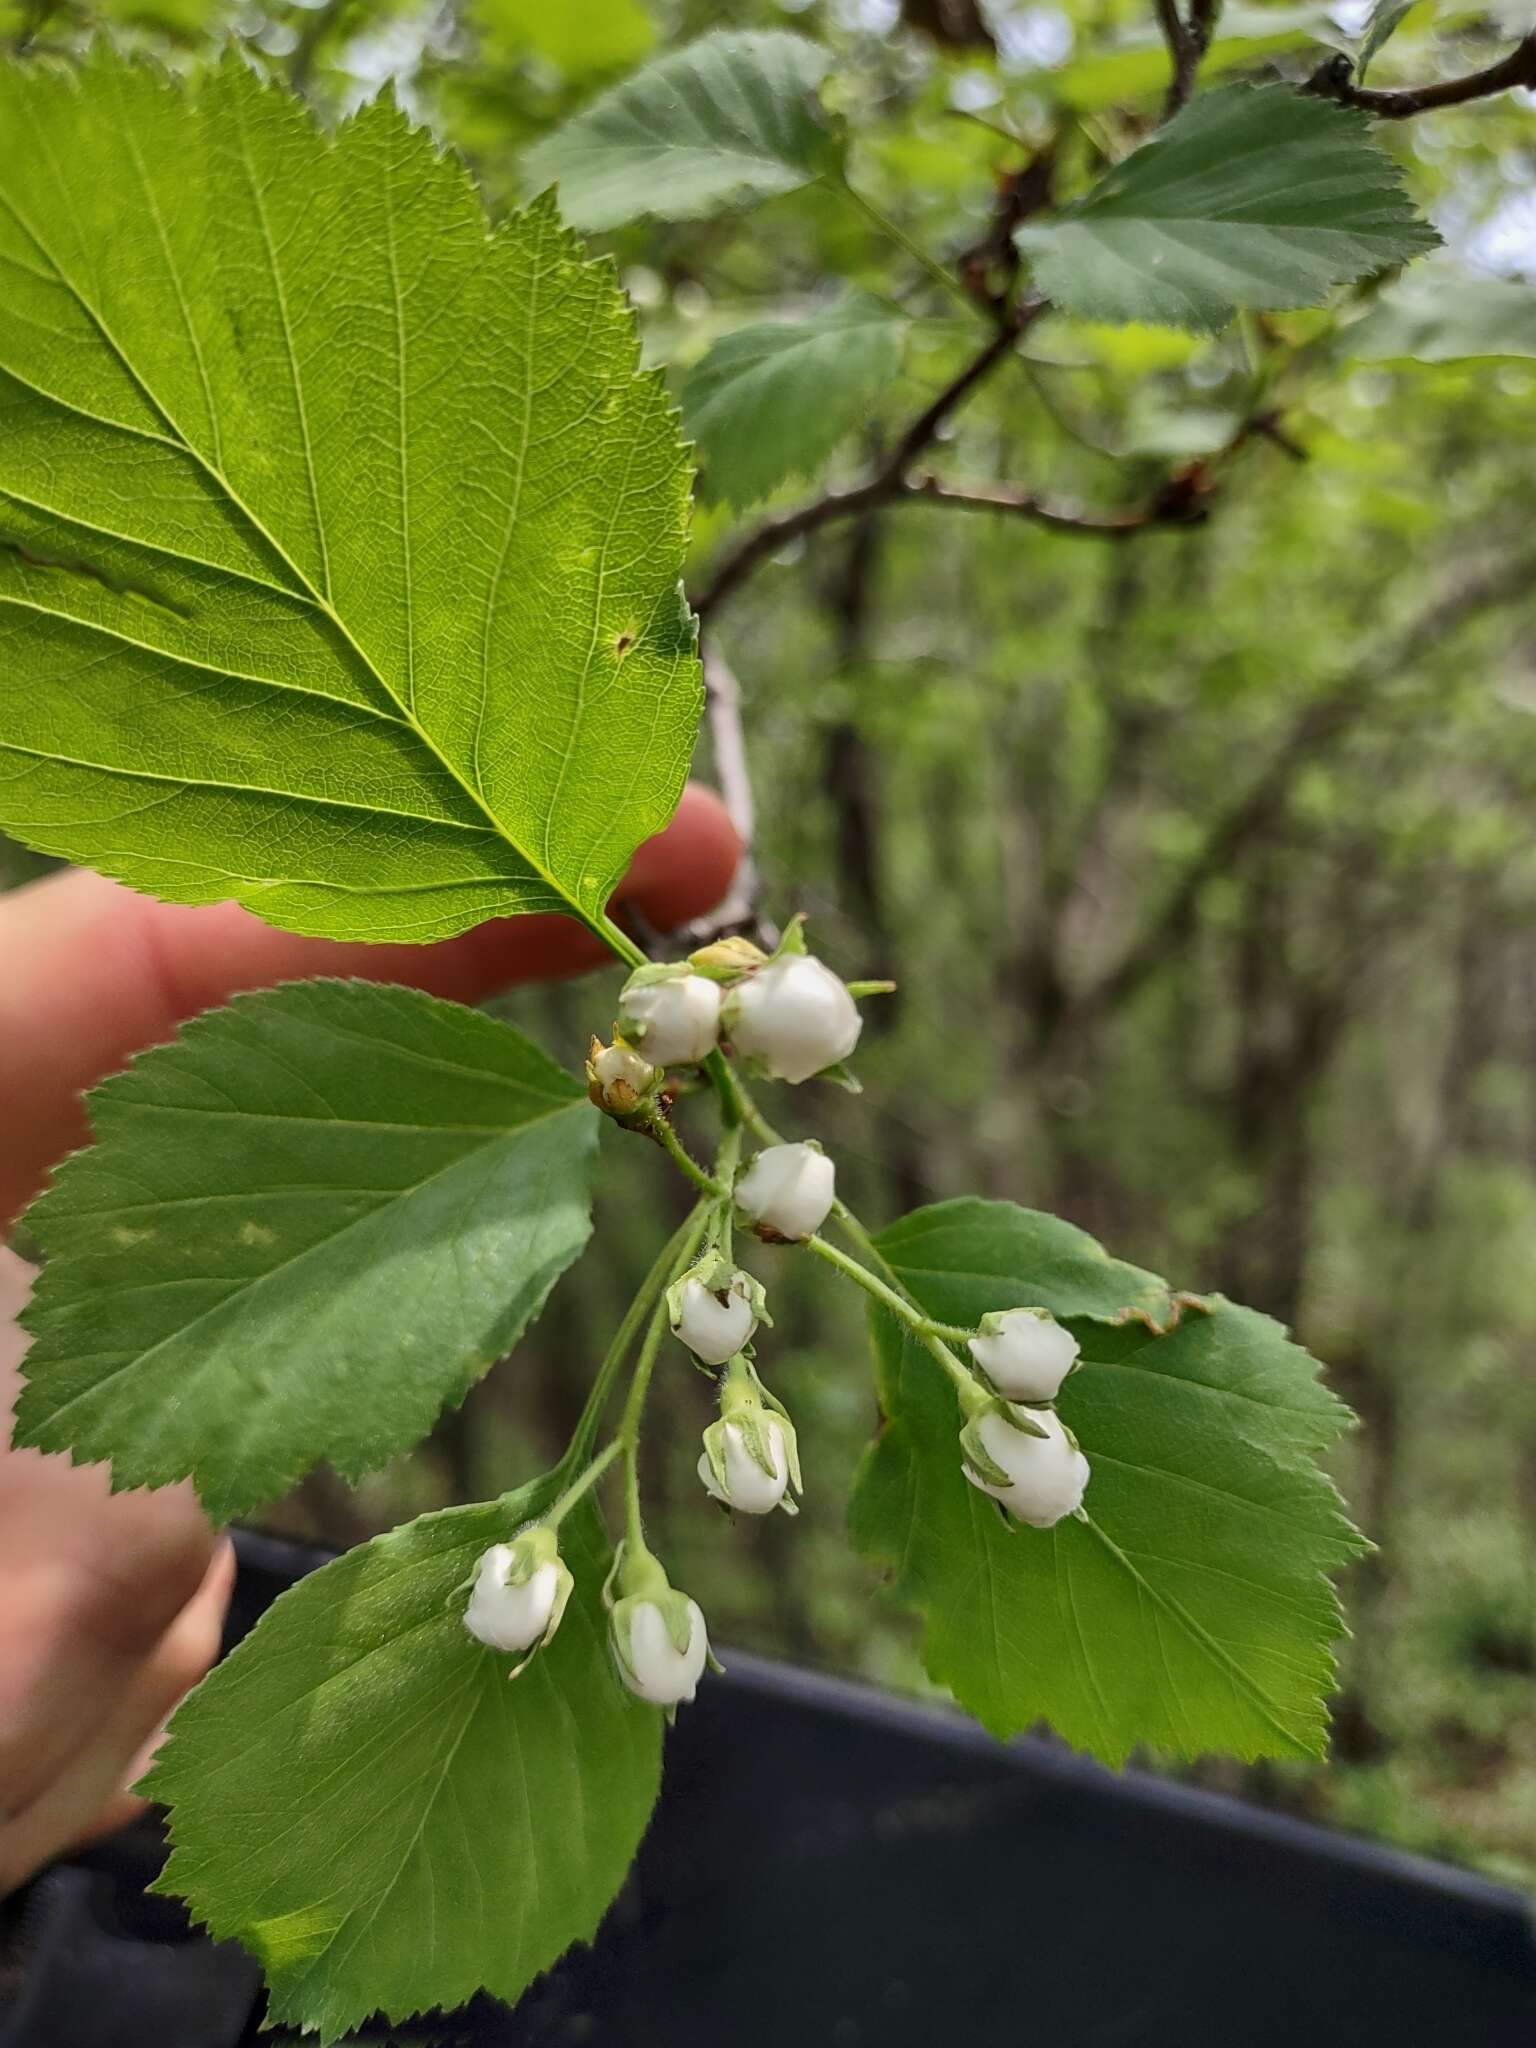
[(555, 1515), (629, 1431), (619, 941), (898, 234), (726, 1156), (670, 1143), (930, 1334), (669, 1260), (682, 1247)]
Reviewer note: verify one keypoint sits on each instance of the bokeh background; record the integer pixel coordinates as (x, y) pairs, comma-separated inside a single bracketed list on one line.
[(1203, 859)]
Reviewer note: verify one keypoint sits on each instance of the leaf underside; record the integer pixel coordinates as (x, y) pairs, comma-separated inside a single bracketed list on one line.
[(773, 401), (1250, 197), (340, 535), (360, 1797), (305, 1226), (1192, 1612), (721, 124)]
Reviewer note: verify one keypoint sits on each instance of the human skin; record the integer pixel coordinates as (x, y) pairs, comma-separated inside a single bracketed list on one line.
[(111, 1605)]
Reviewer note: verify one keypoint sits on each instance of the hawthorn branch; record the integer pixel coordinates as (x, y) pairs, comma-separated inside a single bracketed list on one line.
[(1335, 81), (1188, 38), (1179, 502)]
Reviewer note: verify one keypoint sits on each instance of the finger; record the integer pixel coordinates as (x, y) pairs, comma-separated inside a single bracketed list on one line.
[(88, 1792), (90, 972), (91, 1581)]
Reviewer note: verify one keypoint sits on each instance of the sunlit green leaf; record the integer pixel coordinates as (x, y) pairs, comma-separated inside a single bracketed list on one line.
[(1249, 198), (360, 1797), (718, 125), (772, 402), (339, 536), (305, 1226), (1191, 1611)]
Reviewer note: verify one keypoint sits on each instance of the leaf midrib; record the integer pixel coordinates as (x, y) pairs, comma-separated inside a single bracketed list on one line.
[(322, 604)]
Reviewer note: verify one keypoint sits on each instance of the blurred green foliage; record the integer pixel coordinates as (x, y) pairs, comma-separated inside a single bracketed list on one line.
[(1203, 859)]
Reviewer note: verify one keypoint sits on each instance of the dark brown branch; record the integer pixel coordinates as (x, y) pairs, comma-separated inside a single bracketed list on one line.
[(1335, 81), (1168, 508), (886, 483), (1187, 40), (1180, 502), (1324, 720)]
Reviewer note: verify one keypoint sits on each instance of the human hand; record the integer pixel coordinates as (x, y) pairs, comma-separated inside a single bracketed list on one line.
[(111, 1605)]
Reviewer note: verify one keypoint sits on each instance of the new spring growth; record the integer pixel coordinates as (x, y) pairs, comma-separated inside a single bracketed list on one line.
[(750, 1457), (787, 1191), (791, 1017), (671, 1012), (1024, 1352), (657, 1634), (715, 1308), (1027, 1459), (620, 1082), (520, 1592)]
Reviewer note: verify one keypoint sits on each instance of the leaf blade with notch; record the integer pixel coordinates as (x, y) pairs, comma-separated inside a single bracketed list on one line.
[(340, 535), (430, 1828), (305, 1226), (1251, 197), (717, 126), (773, 401), (1192, 1611)]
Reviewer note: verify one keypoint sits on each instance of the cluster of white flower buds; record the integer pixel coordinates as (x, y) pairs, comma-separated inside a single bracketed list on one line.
[(785, 1015), (1016, 1446)]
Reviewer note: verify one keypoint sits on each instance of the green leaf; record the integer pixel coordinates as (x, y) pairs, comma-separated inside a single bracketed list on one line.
[(596, 36), (339, 535), (360, 1797), (1385, 19), (1444, 314), (772, 402), (1248, 198), (711, 128), (318, 1216), (1191, 1611)]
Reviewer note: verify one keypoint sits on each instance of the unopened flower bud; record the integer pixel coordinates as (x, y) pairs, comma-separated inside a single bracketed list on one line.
[(1034, 1468), (751, 1479), (618, 1079), (792, 1018), (1024, 1352), (715, 1309), (787, 1191), (660, 1646), (725, 959), (672, 1013), (520, 1592)]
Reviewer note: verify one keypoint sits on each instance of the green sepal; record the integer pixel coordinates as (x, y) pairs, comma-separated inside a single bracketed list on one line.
[(841, 1076), (717, 1274)]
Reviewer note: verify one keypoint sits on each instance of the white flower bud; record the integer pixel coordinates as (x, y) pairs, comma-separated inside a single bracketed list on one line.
[(793, 1018), (1025, 1353), (714, 1322), (788, 1190), (618, 1079), (519, 1595), (674, 1017), (1047, 1474), (645, 1648), (747, 1486)]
